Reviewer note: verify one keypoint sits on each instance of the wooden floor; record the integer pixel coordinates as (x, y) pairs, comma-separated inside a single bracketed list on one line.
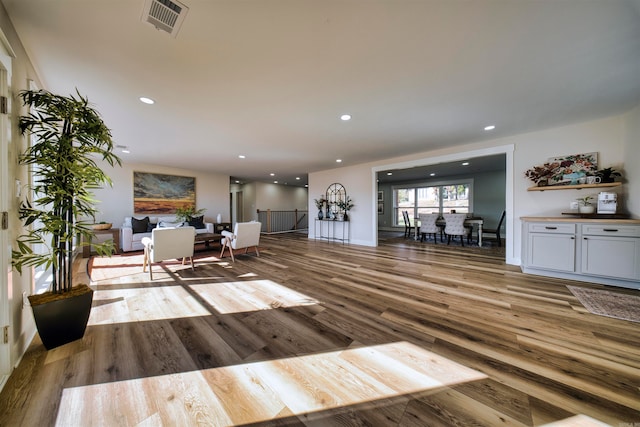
[(322, 334)]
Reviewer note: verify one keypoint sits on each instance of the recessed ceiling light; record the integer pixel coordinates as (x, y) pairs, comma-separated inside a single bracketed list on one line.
[(345, 117), (490, 127), (275, 182), (306, 185), (389, 173), (147, 100), (272, 174), (242, 156), (338, 160), (465, 163), (298, 178), (237, 182), (432, 174), (126, 151)]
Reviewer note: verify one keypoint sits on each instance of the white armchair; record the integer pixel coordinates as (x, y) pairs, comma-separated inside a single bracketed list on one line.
[(245, 235), (168, 243)]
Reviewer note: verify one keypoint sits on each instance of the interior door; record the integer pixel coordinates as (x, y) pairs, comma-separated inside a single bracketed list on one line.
[(239, 207)]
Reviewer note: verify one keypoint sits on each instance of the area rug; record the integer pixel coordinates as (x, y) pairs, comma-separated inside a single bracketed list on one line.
[(611, 304)]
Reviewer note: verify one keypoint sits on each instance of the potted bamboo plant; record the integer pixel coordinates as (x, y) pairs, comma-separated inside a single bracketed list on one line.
[(68, 136)]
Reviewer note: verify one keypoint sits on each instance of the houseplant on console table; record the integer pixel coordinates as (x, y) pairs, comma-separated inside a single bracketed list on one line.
[(68, 136)]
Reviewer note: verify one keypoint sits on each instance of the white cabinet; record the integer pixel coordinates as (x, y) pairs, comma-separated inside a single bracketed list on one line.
[(611, 251), (605, 251), (552, 246)]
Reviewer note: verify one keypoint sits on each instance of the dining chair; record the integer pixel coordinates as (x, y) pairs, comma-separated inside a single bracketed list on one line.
[(428, 226), (454, 226), (407, 224), (496, 231)]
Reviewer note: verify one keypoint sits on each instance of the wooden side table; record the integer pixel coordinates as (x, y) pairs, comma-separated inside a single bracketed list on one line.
[(115, 236)]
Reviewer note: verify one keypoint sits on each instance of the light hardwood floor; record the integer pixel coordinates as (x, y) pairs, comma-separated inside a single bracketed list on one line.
[(315, 333)]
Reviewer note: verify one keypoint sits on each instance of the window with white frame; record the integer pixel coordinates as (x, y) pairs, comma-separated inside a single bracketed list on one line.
[(441, 197)]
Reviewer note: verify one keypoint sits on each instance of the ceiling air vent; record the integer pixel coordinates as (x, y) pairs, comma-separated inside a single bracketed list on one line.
[(165, 15)]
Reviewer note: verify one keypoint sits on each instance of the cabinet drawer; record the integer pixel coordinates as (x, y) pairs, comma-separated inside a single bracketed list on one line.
[(550, 227), (617, 230)]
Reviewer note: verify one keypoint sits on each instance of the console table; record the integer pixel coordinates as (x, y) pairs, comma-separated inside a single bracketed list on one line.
[(332, 230)]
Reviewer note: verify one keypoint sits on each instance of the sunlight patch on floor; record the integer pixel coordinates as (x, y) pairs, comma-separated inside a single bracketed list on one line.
[(251, 295), (262, 391), (174, 301)]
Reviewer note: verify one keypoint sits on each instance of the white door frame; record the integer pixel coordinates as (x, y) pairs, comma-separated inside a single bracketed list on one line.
[(5, 194)]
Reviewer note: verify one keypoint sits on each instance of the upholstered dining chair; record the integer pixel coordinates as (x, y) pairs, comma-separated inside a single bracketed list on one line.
[(454, 226), (168, 243), (496, 231), (428, 226), (245, 235)]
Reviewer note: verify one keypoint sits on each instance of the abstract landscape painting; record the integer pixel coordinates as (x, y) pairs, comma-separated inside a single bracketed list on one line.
[(155, 193)]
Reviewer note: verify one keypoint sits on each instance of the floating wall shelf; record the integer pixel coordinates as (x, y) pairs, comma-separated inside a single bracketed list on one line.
[(574, 187)]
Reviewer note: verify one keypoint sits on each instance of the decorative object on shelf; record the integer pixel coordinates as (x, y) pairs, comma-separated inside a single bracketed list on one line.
[(68, 137), (592, 179), (319, 204), (345, 205), (334, 194), (102, 226), (218, 218), (564, 170), (585, 206), (607, 175)]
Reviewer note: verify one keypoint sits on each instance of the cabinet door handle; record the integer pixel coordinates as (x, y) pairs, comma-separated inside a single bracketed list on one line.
[(584, 238), (573, 238), (551, 228), (610, 229)]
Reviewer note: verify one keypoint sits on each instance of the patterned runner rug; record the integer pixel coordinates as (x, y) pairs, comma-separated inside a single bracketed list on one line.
[(610, 304)]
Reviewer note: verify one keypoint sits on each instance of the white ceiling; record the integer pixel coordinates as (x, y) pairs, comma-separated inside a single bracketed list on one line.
[(270, 78)]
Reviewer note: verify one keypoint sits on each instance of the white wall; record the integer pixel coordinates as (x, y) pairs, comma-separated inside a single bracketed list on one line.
[(605, 136), (632, 155), (276, 197), (115, 203), (280, 197)]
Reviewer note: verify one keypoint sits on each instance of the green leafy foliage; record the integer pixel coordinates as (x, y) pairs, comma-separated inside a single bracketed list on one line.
[(186, 213), (68, 136)]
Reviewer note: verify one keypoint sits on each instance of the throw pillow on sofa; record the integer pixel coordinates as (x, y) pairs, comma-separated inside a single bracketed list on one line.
[(197, 222), (167, 224), (140, 225)]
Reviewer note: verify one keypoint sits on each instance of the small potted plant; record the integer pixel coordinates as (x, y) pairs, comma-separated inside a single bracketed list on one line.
[(345, 206), (607, 175), (585, 206), (186, 213)]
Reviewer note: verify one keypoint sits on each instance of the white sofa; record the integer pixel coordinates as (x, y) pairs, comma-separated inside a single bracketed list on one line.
[(130, 241)]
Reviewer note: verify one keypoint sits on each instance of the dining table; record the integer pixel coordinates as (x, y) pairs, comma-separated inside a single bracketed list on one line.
[(468, 222)]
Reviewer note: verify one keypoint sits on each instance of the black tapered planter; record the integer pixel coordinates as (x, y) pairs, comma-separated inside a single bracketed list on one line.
[(64, 320)]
